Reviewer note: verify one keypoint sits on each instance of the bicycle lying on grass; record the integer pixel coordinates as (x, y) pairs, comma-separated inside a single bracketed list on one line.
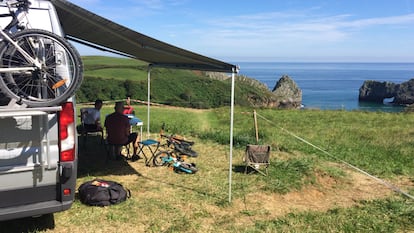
[(38, 68), (176, 152)]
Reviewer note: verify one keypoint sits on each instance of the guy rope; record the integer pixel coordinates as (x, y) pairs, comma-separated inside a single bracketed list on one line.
[(381, 181)]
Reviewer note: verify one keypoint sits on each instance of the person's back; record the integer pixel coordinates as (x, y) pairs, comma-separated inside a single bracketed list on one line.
[(117, 128)]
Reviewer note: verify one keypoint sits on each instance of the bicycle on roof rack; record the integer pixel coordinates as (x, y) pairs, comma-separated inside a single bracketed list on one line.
[(175, 152), (37, 68)]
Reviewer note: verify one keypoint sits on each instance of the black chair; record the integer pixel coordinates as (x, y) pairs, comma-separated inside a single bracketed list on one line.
[(118, 151), (85, 131)]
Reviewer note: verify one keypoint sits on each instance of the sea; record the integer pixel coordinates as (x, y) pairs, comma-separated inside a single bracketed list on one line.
[(331, 86)]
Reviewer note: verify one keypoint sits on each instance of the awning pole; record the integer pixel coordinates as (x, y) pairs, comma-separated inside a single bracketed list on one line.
[(231, 130), (148, 101)]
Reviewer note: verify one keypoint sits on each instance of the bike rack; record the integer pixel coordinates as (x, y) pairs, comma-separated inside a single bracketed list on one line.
[(13, 109)]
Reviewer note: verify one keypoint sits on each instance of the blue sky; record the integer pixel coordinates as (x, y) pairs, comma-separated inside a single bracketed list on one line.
[(271, 30)]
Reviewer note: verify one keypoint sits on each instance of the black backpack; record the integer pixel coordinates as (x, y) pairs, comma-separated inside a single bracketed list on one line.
[(99, 192)]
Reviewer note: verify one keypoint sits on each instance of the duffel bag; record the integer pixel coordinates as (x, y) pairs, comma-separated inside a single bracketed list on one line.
[(100, 192)]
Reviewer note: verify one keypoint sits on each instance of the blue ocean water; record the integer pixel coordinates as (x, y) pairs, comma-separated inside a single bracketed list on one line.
[(331, 85)]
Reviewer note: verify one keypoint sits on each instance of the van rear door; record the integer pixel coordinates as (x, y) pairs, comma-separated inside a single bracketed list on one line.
[(37, 160)]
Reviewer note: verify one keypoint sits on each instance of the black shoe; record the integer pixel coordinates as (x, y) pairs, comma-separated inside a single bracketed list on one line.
[(135, 158)]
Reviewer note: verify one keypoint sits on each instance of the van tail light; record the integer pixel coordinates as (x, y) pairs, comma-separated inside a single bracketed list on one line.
[(67, 132), (67, 192)]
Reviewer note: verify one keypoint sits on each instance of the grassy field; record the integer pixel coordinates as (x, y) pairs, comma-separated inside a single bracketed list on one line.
[(307, 190), (111, 78)]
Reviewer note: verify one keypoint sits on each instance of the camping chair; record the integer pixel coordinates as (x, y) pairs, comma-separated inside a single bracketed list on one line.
[(84, 132), (257, 158), (152, 146), (117, 151)]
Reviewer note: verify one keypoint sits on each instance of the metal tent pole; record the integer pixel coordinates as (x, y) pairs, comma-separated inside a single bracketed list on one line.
[(231, 130), (148, 100)]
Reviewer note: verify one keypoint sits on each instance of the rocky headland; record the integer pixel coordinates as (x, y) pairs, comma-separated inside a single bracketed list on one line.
[(377, 92), (287, 93)]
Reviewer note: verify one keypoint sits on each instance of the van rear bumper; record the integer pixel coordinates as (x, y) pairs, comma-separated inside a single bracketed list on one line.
[(36, 209)]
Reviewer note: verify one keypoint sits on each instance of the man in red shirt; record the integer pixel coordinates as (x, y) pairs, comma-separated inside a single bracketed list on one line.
[(119, 130)]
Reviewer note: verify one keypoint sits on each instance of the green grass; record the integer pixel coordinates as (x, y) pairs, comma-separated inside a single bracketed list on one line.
[(110, 78), (118, 74), (94, 62), (381, 143), (389, 215), (305, 191)]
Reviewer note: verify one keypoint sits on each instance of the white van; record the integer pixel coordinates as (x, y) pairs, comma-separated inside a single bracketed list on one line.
[(38, 146)]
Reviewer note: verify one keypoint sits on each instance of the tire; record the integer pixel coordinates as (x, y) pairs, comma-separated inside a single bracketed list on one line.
[(193, 168), (59, 76), (190, 152), (160, 158), (188, 168)]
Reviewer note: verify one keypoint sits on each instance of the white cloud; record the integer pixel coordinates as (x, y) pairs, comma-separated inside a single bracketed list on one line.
[(277, 27), (392, 20)]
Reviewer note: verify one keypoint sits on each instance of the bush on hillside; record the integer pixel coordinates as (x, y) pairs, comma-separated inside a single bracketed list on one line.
[(181, 88)]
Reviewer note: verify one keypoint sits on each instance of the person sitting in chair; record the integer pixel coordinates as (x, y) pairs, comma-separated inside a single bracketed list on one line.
[(128, 109), (129, 112), (119, 130), (92, 117)]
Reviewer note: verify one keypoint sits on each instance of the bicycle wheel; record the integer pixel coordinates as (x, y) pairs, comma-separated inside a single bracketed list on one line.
[(189, 168), (161, 158), (54, 76)]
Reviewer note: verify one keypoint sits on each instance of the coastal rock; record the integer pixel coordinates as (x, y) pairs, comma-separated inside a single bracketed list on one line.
[(404, 93), (287, 93), (374, 91)]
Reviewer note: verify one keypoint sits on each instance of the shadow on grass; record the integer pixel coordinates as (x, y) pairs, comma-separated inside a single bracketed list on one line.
[(239, 168), (30, 224), (92, 160), (244, 170)]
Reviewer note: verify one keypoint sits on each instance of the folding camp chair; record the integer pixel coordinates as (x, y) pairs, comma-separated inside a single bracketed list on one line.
[(257, 158), (118, 151), (152, 146), (84, 132)]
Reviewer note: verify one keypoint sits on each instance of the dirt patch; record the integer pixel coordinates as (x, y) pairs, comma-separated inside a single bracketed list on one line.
[(329, 193)]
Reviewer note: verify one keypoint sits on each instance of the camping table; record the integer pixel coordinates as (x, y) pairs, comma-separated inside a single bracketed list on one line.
[(135, 121)]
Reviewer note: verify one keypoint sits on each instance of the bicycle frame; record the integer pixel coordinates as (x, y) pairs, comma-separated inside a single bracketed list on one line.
[(36, 63), (16, 15), (38, 67)]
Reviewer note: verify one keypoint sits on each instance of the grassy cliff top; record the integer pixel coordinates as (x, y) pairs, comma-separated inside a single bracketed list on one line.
[(111, 78)]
